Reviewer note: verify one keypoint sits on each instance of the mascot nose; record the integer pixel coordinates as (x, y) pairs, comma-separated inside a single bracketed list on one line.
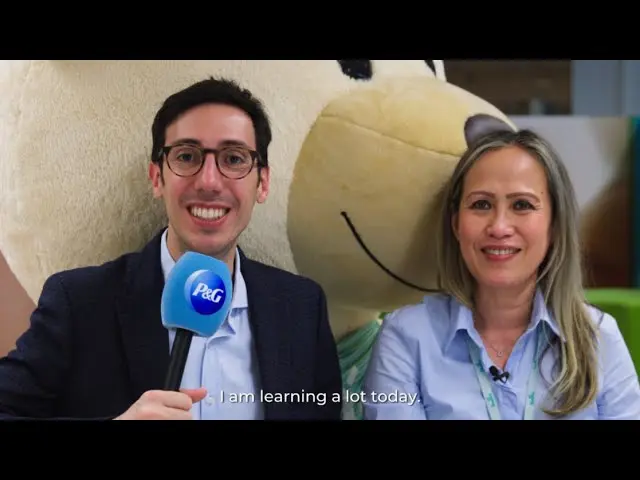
[(370, 170), (424, 112)]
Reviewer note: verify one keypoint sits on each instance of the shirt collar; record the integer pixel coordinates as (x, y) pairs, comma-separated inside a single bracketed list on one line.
[(238, 300), (462, 318)]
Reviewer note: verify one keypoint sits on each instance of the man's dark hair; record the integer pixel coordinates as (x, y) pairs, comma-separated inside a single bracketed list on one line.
[(211, 90)]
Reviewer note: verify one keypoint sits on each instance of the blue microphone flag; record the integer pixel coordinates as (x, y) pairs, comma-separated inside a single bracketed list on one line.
[(197, 294)]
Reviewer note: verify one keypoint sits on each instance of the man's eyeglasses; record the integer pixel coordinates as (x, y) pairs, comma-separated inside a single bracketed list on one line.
[(186, 160)]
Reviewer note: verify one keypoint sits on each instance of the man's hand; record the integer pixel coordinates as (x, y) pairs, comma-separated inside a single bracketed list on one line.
[(164, 405)]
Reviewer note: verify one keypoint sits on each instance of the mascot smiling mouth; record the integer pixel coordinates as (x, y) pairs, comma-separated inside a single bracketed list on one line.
[(378, 262)]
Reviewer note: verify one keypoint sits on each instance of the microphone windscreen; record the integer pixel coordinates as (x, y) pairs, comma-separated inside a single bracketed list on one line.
[(197, 294)]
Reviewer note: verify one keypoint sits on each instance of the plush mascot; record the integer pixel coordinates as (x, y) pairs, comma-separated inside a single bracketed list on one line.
[(360, 150)]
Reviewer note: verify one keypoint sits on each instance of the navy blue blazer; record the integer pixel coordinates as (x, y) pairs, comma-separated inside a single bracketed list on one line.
[(96, 342)]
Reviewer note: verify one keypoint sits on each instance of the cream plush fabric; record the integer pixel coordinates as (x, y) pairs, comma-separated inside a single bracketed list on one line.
[(352, 160), (75, 140)]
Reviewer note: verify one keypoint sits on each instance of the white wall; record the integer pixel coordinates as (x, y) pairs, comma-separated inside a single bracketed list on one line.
[(593, 148)]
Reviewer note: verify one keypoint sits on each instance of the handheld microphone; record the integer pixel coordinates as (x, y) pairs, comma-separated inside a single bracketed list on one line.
[(497, 375), (195, 300)]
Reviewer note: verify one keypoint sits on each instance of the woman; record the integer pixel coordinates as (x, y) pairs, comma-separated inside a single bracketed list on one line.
[(511, 336)]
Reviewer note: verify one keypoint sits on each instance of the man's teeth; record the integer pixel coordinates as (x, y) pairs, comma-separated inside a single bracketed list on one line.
[(501, 251), (208, 213)]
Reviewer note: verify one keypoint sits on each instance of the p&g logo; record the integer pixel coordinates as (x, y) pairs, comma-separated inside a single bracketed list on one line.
[(205, 292)]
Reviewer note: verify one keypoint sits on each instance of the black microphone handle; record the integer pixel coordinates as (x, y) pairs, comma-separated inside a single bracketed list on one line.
[(179, 354)]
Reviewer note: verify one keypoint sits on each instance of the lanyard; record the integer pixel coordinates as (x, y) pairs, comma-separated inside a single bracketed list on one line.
[(485, 385)]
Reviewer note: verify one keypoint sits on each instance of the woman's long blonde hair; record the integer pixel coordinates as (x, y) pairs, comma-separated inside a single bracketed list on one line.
[(560, 274)]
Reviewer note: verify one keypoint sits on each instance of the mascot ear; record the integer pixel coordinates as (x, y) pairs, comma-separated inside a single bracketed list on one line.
[(438, 69), (478, 126)]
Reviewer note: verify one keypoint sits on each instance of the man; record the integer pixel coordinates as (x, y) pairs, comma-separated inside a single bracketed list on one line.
[(97, 348)]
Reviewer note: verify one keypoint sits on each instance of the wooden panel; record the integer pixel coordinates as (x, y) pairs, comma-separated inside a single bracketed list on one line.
[(511, 85)]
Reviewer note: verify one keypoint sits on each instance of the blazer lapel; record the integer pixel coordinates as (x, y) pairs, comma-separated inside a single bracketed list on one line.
[(267, 314), (146, 341)]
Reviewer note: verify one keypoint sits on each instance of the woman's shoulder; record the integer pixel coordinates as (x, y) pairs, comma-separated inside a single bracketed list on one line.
[(605, 323), (619, 395), (607, 326), (437, 304), (429, 315)]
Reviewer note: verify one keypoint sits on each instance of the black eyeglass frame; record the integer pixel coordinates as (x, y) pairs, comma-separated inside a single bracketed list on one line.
[(256, 158)]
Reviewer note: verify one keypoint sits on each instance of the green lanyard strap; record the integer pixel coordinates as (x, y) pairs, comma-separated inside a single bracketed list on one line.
[(486, 387)]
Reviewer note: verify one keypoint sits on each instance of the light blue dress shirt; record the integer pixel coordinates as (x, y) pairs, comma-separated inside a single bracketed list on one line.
[(421, 361), (224, 364)]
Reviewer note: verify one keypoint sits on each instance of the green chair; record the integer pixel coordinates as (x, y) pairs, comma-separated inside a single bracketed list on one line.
[(624, 305)]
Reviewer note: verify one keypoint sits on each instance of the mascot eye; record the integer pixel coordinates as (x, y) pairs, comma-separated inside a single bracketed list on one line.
[(357, 69)]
